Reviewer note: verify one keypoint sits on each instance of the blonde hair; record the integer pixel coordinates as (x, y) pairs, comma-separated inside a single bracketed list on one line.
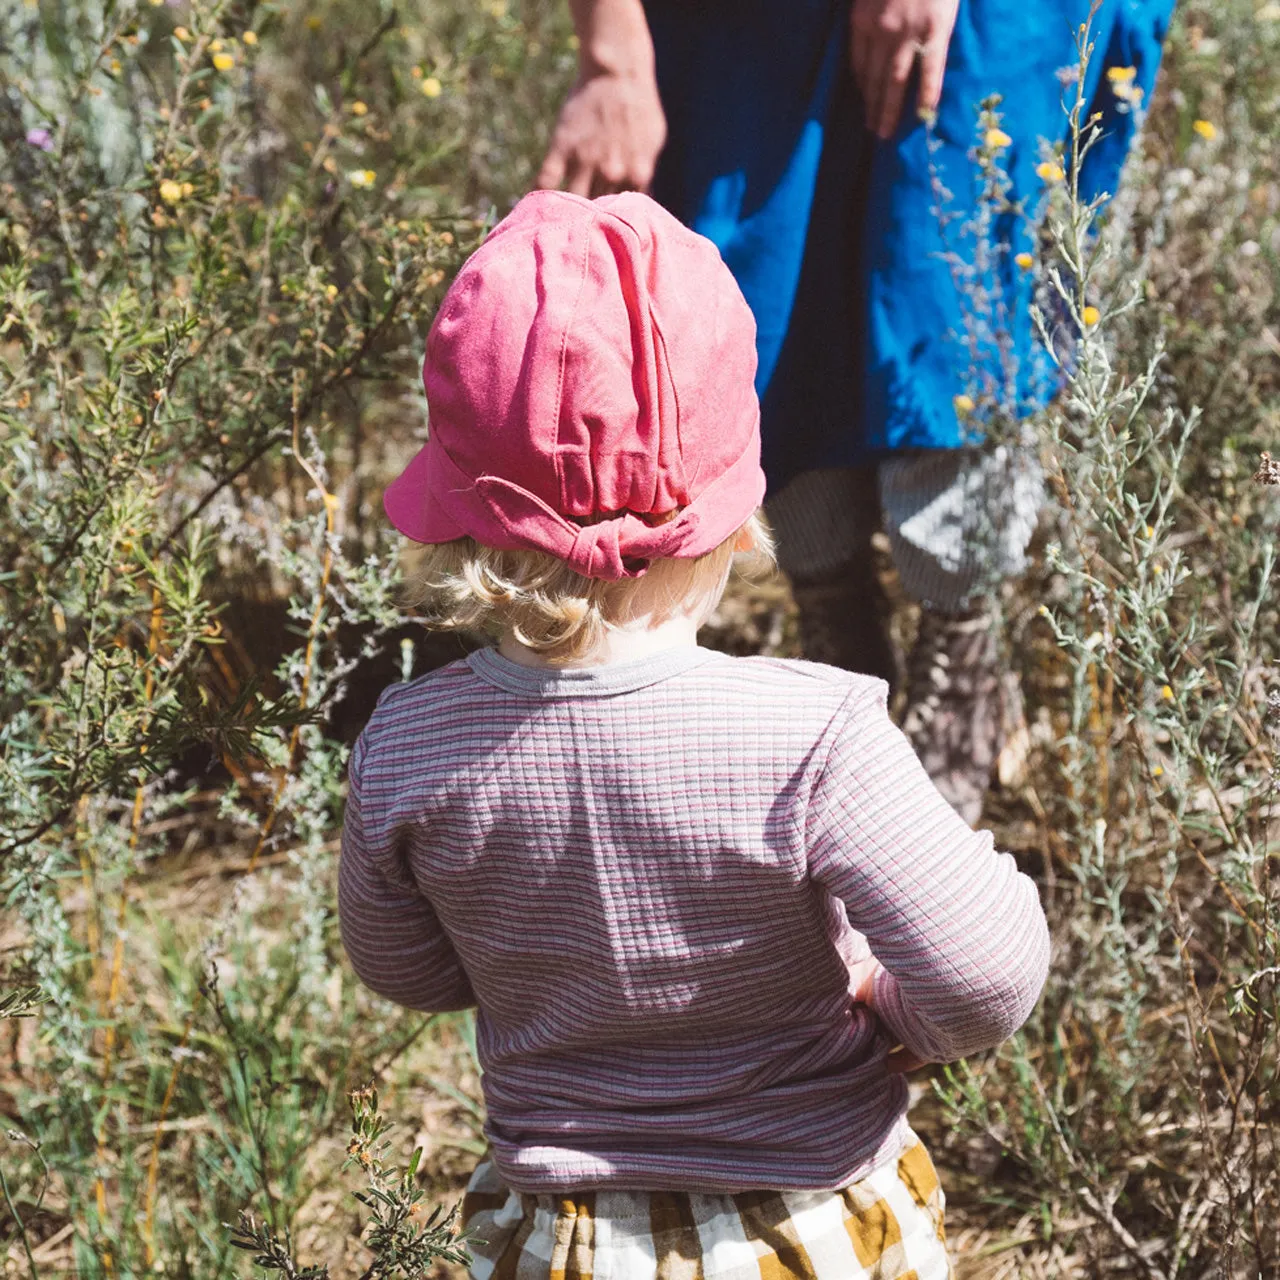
[(555, 611)]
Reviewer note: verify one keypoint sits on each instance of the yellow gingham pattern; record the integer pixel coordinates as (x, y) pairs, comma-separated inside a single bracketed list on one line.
[(887, 1226)]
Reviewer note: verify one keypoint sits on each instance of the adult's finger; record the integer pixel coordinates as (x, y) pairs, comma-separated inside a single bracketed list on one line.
[(551, 175), (933, 62), (894, 89), (612, 175)]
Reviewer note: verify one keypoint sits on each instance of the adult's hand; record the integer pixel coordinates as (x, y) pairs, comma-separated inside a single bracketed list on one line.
[(608, 137), (886, 38)]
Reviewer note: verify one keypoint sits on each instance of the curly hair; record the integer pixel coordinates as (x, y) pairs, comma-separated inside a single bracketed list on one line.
[(555, 611)]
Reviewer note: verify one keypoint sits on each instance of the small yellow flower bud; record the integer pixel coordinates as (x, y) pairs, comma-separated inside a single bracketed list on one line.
[(963, 403), (331, 291), (431, 87), (171, 192), (362, 177), (1121, 75), (250, 38), (1025, 261), (1166, 692), (359, 109), (1049, 171), (215, 46), (181, 33), (1090, 316), (223, 61), (1206, 129), (997, 138), (314, 22)]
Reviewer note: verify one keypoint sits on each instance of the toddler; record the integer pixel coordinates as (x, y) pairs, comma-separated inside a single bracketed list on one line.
[(708, 908)]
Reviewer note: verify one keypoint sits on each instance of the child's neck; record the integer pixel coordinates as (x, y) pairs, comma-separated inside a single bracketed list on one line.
[(620, 644)]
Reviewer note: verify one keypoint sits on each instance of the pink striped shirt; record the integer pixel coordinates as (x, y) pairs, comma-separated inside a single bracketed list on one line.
[(652, 878)]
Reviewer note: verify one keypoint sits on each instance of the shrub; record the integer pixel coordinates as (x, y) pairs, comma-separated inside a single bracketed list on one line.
[(1139, 1107), (223, 230)]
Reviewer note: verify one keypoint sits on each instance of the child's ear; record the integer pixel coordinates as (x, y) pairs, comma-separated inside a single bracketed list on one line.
[(746, 539)]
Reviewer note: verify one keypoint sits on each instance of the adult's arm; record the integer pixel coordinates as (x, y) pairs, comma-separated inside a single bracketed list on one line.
[(611, 128)]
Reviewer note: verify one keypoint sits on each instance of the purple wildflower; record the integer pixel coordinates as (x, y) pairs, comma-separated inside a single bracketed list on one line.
[(41, 138)]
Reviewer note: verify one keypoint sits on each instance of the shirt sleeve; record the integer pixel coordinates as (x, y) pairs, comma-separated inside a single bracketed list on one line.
[(959, 931), (391, 933)]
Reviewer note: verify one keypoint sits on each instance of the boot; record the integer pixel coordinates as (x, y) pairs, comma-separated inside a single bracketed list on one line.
[(961, 704), (844, 618)]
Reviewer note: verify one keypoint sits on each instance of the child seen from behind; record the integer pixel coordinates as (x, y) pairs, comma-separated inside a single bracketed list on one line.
[(708, 908)]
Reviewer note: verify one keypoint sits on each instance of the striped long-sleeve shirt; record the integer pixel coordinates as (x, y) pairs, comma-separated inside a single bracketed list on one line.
[(655, 880)]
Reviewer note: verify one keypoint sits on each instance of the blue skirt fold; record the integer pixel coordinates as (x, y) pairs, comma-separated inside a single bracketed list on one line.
[(876, 305)]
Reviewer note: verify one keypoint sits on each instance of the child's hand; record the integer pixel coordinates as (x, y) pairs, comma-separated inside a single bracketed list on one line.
[(862, 981), (863, 987)]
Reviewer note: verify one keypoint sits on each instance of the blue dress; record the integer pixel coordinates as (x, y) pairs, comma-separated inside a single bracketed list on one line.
[(865, 336)]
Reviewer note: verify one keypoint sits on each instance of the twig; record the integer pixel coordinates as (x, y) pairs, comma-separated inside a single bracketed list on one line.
[(22, 1230)]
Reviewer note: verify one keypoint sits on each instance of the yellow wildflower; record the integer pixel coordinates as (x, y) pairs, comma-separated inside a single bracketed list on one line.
[(171, 192), (1121, 75), (250, 38), (215, 46), (359, 109), (1166, 692), (1158, 771), (315, 22), (1050, 171), (997, 138), (1150, 531), (331, 291), (362, 177), (416, 72), (115, 66), (1025, 261), (182, 33), (963, 403), (223, 61), (1206, 129), (1091, 316), (431, 87), (187, 190)]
